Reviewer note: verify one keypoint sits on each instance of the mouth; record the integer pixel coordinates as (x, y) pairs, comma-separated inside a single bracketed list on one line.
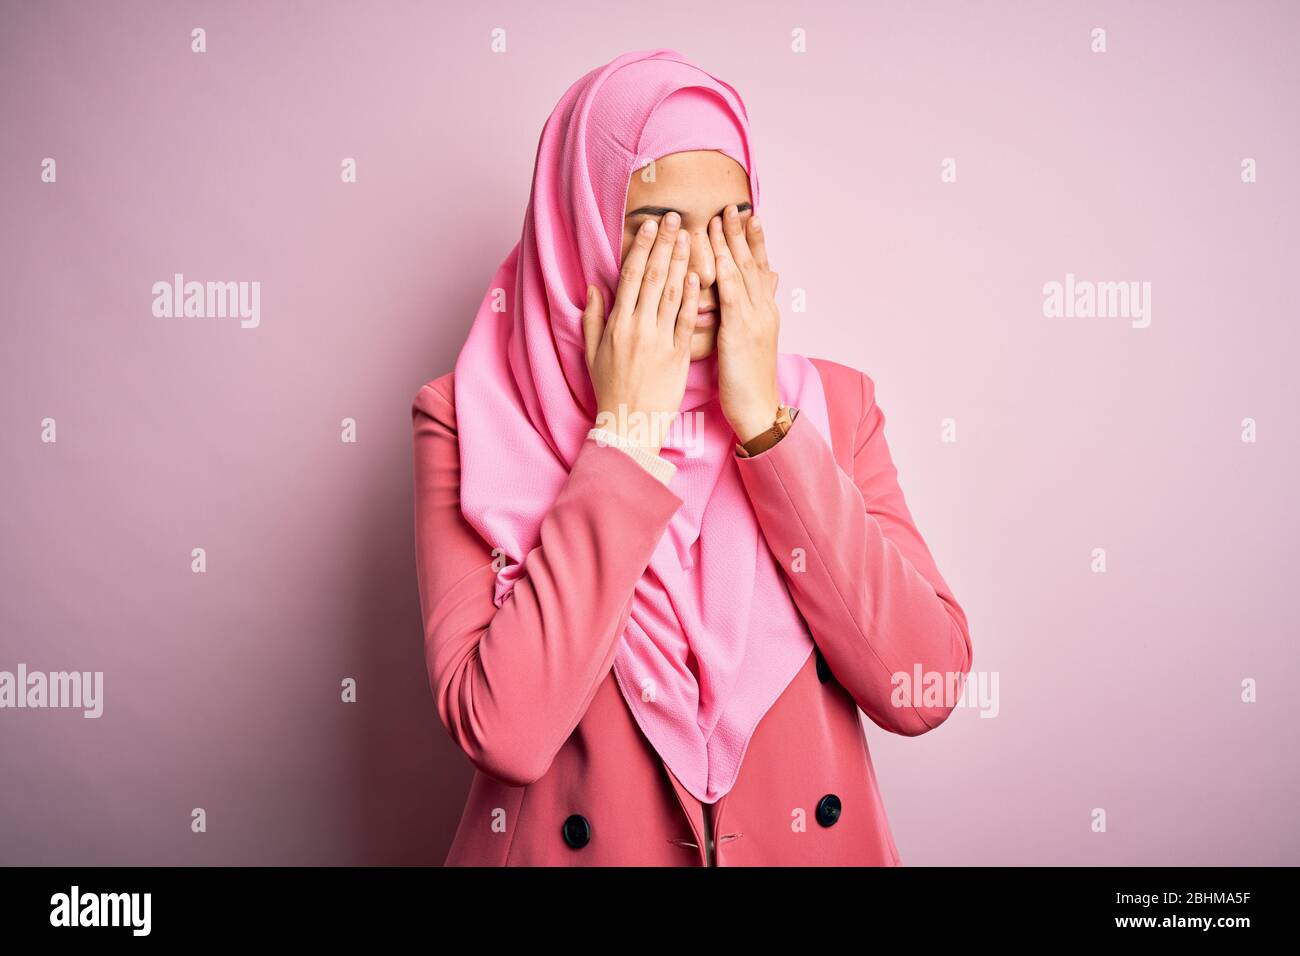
[(706, 317)]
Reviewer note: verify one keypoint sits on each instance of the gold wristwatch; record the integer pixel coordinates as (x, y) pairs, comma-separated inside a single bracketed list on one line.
[(765, 440)]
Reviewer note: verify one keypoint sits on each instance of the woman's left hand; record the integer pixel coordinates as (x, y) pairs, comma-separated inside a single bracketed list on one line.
[(749, 322)]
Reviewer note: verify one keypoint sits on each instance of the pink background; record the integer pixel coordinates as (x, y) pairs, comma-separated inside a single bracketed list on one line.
[(1118, 690)]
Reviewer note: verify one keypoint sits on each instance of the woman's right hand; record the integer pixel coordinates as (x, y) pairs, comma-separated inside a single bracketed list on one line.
[(639, 359)]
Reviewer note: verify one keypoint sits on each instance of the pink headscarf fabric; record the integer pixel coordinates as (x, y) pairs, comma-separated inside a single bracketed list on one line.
[(713, 637)]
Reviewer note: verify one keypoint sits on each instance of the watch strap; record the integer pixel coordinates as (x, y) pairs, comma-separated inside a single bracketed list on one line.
[(766, 439)]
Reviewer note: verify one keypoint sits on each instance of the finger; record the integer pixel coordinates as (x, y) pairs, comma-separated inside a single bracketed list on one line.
[(757, 242), (688, 313), (671, 301), (734, 229), (593, 323), (731, 288), (656, 269), (629, 276)]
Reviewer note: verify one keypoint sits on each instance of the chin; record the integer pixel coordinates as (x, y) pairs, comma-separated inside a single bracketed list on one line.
[(703, 343)]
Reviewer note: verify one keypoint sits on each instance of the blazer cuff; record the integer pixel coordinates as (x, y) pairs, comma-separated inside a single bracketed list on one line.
[(661, 468)]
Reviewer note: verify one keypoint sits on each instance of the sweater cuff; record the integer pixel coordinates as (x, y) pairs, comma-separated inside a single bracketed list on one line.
[(661, 468)]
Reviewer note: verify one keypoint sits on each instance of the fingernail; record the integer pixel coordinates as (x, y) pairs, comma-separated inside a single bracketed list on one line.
[(591, 293), (755, 224), (672, 219), (649, 226)]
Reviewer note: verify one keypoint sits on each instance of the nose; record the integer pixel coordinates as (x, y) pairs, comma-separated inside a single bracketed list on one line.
[(701, 261)]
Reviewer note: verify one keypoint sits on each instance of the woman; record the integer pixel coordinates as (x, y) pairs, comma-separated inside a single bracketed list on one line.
[(662, 565)]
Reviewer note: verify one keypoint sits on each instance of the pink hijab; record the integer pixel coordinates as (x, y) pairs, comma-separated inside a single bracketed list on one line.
[(713, 637)]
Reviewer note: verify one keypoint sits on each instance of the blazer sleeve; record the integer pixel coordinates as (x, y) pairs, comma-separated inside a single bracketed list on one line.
[(511, 683), (859, 571)]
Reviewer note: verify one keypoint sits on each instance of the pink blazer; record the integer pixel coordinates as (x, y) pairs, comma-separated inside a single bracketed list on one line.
[(564, 775)]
